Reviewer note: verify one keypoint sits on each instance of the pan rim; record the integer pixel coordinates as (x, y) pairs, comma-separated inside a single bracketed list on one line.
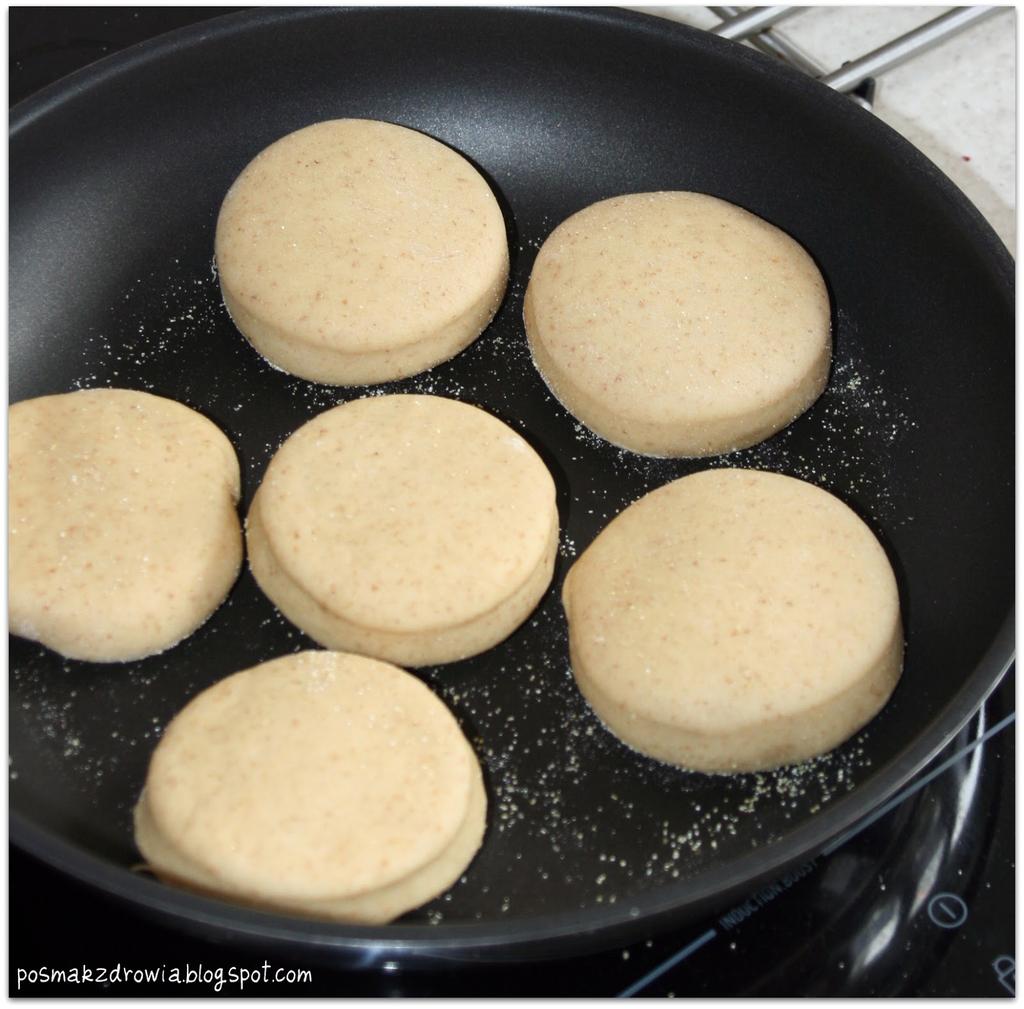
[(594, 926)]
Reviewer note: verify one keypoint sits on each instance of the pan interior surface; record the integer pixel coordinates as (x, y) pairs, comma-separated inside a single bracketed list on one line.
[(116, 177)]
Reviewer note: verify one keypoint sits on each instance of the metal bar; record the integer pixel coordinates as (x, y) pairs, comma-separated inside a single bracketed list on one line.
[(752, 21), (774, 44), (892, 54)]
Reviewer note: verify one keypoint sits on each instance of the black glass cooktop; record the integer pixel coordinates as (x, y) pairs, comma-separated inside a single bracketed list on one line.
[(919, 900)]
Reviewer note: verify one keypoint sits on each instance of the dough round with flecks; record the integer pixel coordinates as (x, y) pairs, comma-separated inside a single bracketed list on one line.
[(416, 529), (734, 620), (677, 324), (354, 251), (321, 783), (123, 533)]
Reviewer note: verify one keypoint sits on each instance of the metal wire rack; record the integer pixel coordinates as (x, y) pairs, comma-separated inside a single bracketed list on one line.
[(756, 25)]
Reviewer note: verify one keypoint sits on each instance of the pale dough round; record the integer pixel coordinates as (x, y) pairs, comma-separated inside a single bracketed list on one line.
[(123, 532), (734, 620), (321, 783), (354, 251), (677, 324), (416, 529)]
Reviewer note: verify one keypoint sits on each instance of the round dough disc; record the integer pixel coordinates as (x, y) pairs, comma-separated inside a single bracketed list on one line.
[(355, 251), (326, 784), (676, 324), (734, 620), (123, 533), (416, 529)]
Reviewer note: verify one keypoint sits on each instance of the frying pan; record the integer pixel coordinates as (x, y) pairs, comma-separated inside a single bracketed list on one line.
[(116, 176)]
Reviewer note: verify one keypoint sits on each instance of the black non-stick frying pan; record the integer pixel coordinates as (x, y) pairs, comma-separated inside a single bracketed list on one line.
[(116, 176)]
